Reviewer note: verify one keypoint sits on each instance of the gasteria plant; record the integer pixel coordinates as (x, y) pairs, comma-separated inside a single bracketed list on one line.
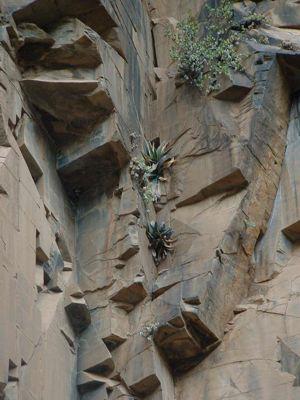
[(203, 55), (149, 169), (156, 158), (160, 239)]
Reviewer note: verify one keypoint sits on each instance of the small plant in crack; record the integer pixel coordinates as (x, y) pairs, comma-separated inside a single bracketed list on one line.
[(156, 158), (140, 172), (206, 51), (148, 170), (148, 331), (161, 240)]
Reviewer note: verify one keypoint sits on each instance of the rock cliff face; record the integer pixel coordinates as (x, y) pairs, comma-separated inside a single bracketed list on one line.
[(85, 313)]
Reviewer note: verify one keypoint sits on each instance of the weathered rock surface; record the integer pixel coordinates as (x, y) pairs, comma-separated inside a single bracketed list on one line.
[(233, 87), (85, 312), (88, 102), (97, 161)]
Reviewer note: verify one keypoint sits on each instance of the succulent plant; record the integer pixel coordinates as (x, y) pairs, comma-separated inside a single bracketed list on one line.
[(160, 238), (148, 331), (155, 158), (148, 170)]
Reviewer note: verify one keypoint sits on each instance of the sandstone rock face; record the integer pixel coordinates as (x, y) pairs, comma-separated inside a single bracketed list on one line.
[(85, 313)]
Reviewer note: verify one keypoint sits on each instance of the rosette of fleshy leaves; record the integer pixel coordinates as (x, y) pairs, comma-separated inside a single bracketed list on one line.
[(156, 159), (148, 170), (161, 240)]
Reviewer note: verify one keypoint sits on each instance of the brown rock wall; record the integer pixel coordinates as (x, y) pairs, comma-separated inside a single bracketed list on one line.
[(86, 314)]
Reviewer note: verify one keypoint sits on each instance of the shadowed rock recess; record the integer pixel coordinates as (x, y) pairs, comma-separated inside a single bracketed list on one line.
[(85, 312)]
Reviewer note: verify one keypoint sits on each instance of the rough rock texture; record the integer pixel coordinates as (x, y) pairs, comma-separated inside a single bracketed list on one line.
[(85, 313)]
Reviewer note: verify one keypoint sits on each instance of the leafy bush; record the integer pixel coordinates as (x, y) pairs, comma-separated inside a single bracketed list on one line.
[(160, 238), (203, 57), (148, 170)]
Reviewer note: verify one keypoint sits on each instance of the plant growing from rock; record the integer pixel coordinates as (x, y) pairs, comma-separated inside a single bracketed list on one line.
[(148, 331), (149, 169), (140, 173), (205, 52), (161, 240), (155, 157)]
